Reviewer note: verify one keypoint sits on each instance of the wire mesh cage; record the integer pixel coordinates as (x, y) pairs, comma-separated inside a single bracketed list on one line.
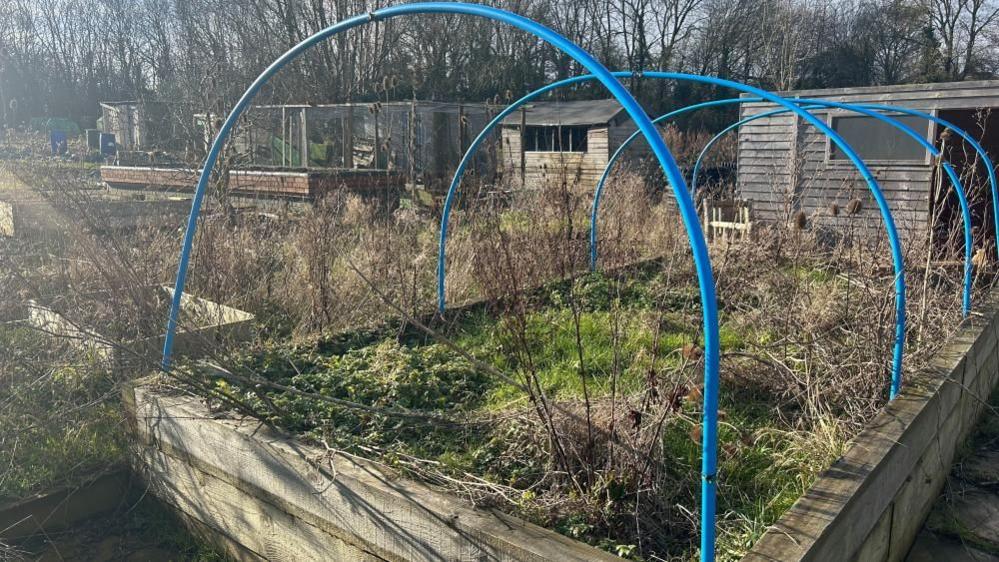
[(422, 140)]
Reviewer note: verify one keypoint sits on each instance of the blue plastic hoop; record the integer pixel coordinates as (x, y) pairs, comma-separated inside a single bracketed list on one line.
[(466, 159), (685, 203)]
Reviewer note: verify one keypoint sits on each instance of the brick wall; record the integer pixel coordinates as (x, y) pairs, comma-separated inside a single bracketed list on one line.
[(368, 183)]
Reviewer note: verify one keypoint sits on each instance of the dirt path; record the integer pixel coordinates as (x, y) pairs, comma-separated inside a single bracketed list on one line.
[(964, 523), (145, 532), (14, 193)]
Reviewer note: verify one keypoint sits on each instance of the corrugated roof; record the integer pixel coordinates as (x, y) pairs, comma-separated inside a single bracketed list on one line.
[(595, 112)]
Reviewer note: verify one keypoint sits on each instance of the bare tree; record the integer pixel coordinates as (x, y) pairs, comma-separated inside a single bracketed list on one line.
[(961, 26), (60, 57)]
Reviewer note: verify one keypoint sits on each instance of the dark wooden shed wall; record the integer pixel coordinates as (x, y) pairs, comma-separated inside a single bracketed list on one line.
[(784, 166)]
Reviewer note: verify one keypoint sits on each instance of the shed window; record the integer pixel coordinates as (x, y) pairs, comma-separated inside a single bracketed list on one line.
[(555, 139), (876, 140)]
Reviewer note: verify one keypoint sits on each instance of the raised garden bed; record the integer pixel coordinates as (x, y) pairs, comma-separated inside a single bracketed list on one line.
[(266, 496), (105, 517), (32, 219), (422, 408), (58, 425), (871, 503), (202, 325), (55, 510), (383, 185)]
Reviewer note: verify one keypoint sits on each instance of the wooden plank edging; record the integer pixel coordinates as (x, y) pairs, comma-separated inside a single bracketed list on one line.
[(273, 494)]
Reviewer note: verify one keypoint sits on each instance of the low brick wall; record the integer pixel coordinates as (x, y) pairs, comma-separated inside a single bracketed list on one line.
[(380, 184), (144, 176), (265, 496), (870, 505)]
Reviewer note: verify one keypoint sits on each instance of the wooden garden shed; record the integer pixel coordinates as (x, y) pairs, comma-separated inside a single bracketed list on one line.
[(147, 125), (787, 168), (571, 140)]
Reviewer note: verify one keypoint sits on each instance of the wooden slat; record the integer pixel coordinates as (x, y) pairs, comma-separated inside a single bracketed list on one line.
[(266, 531), (288, 482), (766, 137)]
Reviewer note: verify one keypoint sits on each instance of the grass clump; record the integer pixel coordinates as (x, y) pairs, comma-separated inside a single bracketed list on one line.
[(384, 375), (59, 413)]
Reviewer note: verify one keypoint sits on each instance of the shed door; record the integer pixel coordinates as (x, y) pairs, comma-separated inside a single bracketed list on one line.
[(983, 125)]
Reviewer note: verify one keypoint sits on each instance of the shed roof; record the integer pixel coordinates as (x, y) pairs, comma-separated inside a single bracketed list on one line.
[(942, 95), (113, 105), (595, 112), (898, 89), (116, 105)]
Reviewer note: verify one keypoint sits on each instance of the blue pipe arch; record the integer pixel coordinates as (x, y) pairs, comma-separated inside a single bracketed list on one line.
[(898, 260), (959, 190), (685, 203), (466, 160)]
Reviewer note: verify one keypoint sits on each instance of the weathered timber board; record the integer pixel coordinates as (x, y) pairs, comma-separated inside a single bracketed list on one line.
[(350, 500)]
